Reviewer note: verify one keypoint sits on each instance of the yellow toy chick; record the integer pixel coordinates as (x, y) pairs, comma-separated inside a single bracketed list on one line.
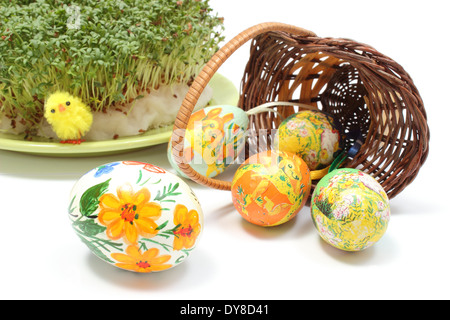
[(69, 117)]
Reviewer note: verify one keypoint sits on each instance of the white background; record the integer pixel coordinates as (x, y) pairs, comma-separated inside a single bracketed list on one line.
[(42, 258)]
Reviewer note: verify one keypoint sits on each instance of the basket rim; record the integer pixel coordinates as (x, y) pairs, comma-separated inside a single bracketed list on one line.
[(199, 84), (387, 75)]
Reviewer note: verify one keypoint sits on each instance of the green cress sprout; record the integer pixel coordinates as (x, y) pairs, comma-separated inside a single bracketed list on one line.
[(106, 52)]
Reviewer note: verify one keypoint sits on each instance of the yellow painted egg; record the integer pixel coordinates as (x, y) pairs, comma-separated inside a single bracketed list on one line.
[(136, 216), (213, 139), (312, 135), (271, 187), (350, 209)]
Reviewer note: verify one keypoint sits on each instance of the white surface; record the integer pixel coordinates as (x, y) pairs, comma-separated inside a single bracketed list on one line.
[(42, 258)]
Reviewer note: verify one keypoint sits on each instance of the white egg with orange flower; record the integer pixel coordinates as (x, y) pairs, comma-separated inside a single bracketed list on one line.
[(136, 216)]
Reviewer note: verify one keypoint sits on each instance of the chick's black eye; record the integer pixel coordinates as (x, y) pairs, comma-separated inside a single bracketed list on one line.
[(68, 103), (52, 111)]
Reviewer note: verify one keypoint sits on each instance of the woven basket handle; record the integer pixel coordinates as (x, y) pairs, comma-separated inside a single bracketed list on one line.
[(199, 85)]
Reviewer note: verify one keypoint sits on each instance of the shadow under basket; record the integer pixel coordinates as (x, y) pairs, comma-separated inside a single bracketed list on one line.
[(373, 99)]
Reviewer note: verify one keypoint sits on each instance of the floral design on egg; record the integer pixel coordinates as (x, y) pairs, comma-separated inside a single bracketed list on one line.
[(312, 135), (214, 138), (350, 209), (105, 169), (141, 218), (147, 166), (188, 227), (148, 261), (270, 188), (129, 214)]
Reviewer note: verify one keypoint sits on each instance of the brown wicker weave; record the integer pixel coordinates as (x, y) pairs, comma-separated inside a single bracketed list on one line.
[(370, 95)]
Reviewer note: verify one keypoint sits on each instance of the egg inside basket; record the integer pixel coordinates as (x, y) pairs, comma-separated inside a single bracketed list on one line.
[(373, 98)]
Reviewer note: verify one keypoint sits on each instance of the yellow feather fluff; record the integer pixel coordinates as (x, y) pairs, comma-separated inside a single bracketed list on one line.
[(69, 117)]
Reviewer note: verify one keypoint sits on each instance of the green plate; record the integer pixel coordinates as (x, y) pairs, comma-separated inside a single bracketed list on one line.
[(224, 93)]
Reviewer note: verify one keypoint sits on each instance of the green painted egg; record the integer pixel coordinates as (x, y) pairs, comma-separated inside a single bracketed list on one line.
[(350, 209)]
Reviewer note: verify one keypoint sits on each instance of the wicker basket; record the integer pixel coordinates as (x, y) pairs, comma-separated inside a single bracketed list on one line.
[(373, 98)]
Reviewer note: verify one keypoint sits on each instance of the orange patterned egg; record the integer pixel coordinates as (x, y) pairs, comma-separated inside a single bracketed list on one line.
[(271, 187)]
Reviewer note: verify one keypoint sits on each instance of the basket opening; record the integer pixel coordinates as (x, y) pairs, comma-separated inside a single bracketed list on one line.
[(371, 97), (318, 79), (345, 97)]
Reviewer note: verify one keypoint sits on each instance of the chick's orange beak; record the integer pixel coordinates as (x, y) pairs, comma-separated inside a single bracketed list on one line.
[(61, 108)]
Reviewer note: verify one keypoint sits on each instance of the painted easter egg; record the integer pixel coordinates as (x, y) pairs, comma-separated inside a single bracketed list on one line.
[(350, 209), (312, 135), (213, 139), (271, 187), (136, 216)]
